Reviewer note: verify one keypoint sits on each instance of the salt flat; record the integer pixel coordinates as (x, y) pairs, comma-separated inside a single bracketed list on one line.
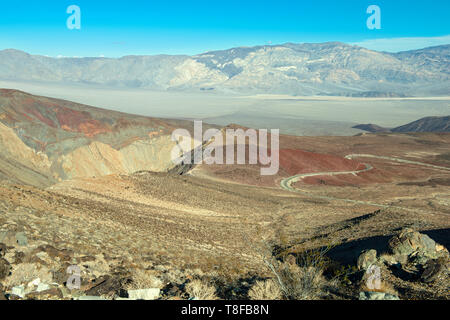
[(291, 114)]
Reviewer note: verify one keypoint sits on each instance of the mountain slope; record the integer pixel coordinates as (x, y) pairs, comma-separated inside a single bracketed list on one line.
[(44, 140), (299, 69), (371, 128), (429, 124)]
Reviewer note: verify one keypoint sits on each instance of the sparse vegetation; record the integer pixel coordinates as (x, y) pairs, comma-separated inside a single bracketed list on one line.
[(302, 277), (265, 290), (201, 290), (143, 279)]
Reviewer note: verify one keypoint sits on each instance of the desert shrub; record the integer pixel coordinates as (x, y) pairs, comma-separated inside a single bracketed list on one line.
[(143, 279), (302, 283), (302, 277), (265, 290), (24, 273), (201, 290)]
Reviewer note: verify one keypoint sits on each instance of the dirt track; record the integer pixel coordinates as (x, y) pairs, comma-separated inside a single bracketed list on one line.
[(286, 184)]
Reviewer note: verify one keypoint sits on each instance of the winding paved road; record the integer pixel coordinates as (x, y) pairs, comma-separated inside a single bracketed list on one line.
[(286, 184), (351, 156)]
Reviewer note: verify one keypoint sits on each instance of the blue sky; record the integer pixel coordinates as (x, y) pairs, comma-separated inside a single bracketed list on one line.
[(117, 28)]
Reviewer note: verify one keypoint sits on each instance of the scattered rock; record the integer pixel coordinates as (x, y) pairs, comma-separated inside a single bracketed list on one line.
[(65, 255), (393, 260), (42, 287), (90, 298), (8, 238), (3, 250), (21, 239), (18, 291), (2, 293), (377, 296), (19, 257), (60, 276), (434, 270), (87, 259), (105, 285), (5, 268), (34, 283), (65, 292), (49, 294), (144, 294), (291, 260), (367, 259)]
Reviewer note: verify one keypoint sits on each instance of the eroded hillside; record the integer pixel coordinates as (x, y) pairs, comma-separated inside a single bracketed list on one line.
[(50, 140)]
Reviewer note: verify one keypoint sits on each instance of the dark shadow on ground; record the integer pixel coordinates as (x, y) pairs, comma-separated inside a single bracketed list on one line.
[(349, 252)]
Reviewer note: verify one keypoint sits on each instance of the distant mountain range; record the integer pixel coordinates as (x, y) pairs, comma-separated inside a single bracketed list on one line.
[(428, 124), (297, 69)]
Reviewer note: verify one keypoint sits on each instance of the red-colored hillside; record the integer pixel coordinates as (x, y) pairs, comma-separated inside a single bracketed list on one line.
[(298, 161)]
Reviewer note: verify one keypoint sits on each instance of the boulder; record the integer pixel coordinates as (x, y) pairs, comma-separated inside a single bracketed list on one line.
[(18, 291), (8, 237), (144, 294), (104, 285), (64, 255), (3, 250), (21, 239), (416, 246), (49, 294), (5, 268), (377, 296), (435, 269), (42, 287), (367, 259), (2, 293)]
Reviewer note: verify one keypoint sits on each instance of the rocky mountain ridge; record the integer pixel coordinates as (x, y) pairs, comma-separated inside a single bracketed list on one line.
[(427, 124), (331, 68)]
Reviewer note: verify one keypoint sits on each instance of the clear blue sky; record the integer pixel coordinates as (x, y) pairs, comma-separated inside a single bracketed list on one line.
[(116, 28)]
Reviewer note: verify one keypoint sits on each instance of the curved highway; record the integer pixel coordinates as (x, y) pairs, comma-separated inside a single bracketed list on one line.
[(286, 184)]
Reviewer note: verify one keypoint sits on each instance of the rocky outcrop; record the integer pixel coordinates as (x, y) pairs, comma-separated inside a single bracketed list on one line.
[(144, 294), (415, 253), (367, 259), (5, 268), (20, 163), (435, 269), (377, 296), (96, 159), (3, 250), (415, 247)]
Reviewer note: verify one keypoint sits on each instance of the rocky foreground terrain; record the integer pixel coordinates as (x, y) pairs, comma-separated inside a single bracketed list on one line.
[(331, 68), (362, 217)]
